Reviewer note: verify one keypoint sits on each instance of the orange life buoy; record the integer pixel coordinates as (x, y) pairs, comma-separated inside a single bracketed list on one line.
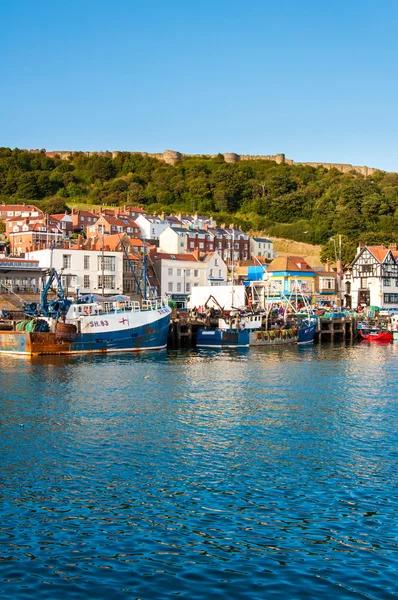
[(88, 310)]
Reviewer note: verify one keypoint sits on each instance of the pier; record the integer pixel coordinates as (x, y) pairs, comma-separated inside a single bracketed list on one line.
[(332, 329)]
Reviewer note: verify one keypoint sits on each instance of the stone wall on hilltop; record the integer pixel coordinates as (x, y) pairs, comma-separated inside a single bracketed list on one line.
[(171, 157)]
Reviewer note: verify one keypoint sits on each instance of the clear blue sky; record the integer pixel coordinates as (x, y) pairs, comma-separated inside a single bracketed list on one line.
[(314, 79)]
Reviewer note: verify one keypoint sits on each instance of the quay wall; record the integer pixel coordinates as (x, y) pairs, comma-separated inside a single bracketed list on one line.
[(172, 157)]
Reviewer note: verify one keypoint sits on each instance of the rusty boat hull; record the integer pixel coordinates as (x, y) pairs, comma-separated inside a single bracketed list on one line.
[(130, 337)]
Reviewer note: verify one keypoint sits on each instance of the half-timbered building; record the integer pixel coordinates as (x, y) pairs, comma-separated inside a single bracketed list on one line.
[(373, 280)]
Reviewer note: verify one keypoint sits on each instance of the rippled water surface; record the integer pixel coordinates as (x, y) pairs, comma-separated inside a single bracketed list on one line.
[(253, 474)]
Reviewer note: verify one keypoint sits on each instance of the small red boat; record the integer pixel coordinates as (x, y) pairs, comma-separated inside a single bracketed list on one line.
[(376, 335)]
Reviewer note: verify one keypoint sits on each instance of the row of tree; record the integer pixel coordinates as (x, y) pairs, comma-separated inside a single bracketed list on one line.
[(298, 202)]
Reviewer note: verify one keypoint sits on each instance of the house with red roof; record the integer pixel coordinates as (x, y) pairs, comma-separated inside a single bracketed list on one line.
[(82, 219), (372, 279), (8, 211), (110, 225), (29, 234), (65, 223)]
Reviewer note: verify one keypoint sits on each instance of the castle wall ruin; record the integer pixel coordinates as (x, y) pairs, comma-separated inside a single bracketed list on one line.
[(172, 157)]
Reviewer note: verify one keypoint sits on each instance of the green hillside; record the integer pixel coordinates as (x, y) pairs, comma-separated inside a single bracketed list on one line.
[(297, 202)]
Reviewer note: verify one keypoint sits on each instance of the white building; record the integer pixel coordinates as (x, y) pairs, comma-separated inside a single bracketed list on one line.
[(262, 247), (373, 277), (174, 240), (151, 227), (179, 273), (83, 269)]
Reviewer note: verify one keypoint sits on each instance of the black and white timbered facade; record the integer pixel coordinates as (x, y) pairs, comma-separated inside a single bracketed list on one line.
[(374, 278)]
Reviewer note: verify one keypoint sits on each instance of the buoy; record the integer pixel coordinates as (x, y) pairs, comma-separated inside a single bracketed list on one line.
[(146, 377), (21, 424)]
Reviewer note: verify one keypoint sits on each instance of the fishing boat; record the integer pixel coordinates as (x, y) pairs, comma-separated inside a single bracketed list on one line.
[(241, 329), (376, 335), (88, 324)]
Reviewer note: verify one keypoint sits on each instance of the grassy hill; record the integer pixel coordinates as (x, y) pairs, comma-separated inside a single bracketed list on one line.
[(311, 253)]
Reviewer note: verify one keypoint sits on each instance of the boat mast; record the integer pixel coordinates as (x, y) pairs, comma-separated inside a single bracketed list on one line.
[(102, 260), (144, 267)]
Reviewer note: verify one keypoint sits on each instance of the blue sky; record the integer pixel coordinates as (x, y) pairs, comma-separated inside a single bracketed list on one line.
[(316, 80)]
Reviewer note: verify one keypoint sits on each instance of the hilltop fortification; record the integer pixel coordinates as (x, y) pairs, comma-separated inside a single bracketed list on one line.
[(171, 157)]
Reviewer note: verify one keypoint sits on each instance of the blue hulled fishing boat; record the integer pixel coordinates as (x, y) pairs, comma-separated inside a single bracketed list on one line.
[(89, 324)]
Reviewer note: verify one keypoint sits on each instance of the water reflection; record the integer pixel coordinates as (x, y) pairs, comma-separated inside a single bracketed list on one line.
[(244, 474)]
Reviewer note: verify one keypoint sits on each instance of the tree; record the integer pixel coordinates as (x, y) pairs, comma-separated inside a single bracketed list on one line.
[(27, 186)]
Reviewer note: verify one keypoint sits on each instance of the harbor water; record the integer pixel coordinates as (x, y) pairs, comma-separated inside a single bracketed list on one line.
[(260, 473)]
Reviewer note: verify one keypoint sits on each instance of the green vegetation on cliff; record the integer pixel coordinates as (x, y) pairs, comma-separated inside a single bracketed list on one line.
[(291, 201)]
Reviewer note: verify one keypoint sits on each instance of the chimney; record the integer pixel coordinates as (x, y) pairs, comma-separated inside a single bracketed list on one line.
[(393, 246), (222, 225), (196, 253), (79, 241), (231, 226), (327, 266), (162, 216)]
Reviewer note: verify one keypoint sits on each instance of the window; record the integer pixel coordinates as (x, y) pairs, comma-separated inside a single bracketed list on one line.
[(196, 273), (109, 263), (170, 271), (216, 262), (170, 286), (391, 298), (211, 272), (86, 262), (236, 246), (179, 287), (192, 244), (387, 282), (109, 282), (182, 244), (365, 269), (66, 261), (187, 287), (219, 273), (86, 283), (326, 283), (188, 272), (178, 272), (201, 245)]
